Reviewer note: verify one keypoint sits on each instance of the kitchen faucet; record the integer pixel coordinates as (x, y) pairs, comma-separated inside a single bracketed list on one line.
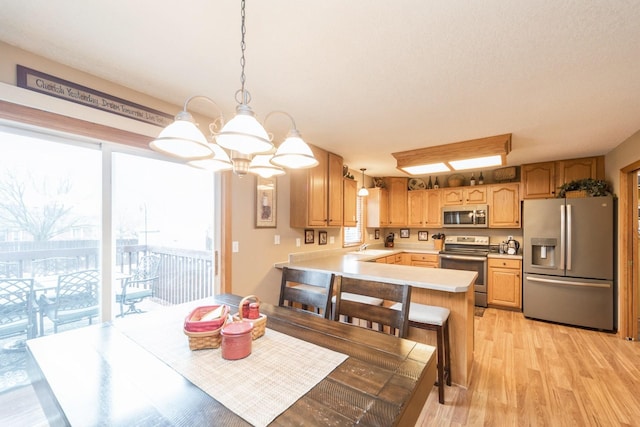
[(363, 247)]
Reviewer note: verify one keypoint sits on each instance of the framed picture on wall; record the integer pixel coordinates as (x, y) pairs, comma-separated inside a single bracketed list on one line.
[(423, 235), (266, 198), (404, 233), (377, 234), (322, 237), (309, 236)]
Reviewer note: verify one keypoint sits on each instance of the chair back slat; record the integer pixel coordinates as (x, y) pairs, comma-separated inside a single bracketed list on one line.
[(314, 296), (53, 266), (383, 315), (16, 307)]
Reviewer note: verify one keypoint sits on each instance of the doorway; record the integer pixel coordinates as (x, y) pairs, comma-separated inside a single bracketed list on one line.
[(629, 257)]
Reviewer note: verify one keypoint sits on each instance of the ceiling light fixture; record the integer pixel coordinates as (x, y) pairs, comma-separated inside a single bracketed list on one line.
[(250, 146), (363, 192), (473, 154)]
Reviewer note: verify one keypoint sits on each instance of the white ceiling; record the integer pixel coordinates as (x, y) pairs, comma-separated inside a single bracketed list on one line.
[(365, 78)]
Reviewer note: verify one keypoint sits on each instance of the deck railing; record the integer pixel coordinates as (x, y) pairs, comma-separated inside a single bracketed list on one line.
[(184, 274)]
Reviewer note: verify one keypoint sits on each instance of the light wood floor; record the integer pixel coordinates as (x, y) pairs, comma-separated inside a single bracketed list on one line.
[(533, 373), (525, 373)]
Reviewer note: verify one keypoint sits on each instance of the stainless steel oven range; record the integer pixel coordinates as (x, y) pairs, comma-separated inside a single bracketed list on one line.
[(468, 253)]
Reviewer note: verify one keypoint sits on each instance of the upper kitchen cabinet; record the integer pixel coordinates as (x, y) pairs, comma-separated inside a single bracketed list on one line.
[(424, 208), (378, 207), (464, 195), (398, 189), (316, 193), (504, 205), (541, 180), (350, 202)]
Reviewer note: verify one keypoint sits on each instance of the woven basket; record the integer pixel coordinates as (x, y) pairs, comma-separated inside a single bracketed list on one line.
[(202, 339), (575, 194), (259, 324)]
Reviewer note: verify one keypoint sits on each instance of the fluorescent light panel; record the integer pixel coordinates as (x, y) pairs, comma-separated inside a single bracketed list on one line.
[(473, 154), (479, 162), (424, 169)]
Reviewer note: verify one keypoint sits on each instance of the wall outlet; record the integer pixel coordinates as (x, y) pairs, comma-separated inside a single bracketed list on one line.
[(332, 240), (297, 242), (276, 239), (235, 247)]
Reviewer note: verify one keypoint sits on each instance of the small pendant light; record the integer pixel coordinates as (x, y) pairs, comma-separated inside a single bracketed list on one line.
[(363, 192)]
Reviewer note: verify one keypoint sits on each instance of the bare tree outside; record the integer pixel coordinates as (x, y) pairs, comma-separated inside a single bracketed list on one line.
[(36, 206)]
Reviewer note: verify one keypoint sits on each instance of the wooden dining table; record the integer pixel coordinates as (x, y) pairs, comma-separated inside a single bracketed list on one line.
[(114, 373)]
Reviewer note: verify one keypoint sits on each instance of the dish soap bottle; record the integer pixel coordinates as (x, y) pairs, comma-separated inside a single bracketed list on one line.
[(472, 181), (437, 184), (429, 184), (481, 179)]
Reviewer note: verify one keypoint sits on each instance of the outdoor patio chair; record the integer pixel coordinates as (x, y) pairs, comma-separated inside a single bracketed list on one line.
[(139, 286), (10, 270), (16, 308), (53, 266), (77, 298)]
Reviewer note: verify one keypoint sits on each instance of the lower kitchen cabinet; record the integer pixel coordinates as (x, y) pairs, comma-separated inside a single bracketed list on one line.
[(422, 260), (504, 287)]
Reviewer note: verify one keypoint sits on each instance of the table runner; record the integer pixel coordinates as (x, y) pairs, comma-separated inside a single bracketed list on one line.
[(279, 371)]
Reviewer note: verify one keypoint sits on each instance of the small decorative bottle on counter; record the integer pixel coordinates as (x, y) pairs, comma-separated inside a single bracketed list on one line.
[(430, 184), (437, 184), (481, 179), (472, 181)]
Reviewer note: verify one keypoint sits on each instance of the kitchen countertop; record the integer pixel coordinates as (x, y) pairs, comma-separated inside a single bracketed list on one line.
[(360, 265)]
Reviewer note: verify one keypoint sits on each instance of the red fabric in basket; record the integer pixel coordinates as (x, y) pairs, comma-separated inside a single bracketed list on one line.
[(192, 322)]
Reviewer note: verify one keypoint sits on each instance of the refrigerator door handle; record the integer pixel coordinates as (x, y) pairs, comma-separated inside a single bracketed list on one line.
[(562, 236), (568, 282), (569, 239)]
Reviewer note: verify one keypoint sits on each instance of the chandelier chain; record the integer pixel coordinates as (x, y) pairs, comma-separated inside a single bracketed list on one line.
[(243, 30)]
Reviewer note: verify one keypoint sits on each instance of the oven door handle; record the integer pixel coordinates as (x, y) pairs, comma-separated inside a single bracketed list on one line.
[(464, 257)]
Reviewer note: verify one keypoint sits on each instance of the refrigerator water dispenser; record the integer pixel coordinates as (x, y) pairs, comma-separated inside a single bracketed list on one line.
[(543, 252)]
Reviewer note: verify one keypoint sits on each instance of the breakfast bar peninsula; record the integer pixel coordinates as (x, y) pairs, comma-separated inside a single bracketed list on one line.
[(452, 289)]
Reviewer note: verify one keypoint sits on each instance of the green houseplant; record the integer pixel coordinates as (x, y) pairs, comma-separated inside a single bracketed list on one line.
[(591, 187)]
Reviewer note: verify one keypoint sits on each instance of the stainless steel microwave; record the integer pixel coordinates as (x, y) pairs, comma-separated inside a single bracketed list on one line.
[(466, 216)]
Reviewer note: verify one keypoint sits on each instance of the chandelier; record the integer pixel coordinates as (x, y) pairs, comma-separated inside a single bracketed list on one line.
[(242, 144)]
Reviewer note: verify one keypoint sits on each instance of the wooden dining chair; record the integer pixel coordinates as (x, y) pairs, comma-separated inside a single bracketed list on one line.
[(308, 291), (383, 315)]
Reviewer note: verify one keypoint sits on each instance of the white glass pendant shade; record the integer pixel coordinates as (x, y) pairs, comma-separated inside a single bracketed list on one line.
[(182, 139), (218, 162), (294, 153), (363, 192), (244, 133), (261, 165)]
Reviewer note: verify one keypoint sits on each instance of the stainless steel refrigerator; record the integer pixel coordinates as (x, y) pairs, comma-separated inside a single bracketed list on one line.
[(569, 261)]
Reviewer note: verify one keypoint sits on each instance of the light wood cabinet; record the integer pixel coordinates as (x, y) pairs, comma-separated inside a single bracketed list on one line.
[(378, 208), (504, 287), (423, 260), (350, 202), (542, 180), (504, 205), (397, 201), (424, 208), (316, 193), (471, 195), (538, 180), (335, 188), (392, 259)]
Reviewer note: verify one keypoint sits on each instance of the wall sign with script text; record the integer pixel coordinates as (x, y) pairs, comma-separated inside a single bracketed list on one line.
[(63, 89)]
